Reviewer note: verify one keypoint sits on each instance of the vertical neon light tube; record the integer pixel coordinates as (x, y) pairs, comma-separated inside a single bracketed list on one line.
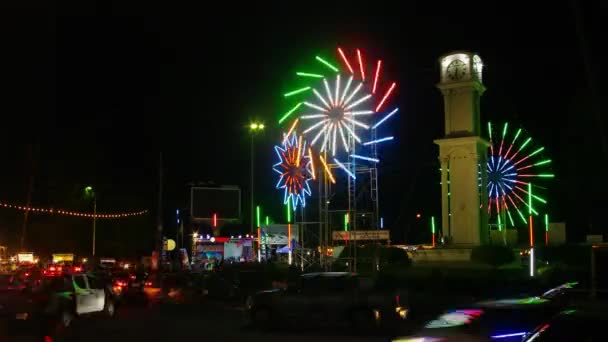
[(546, 229), (433, 229), (382, 223), (259, 244), (289, 242), (532, 262), (267, 220), (530, 211), (214, 220), (257, 212), (346, 222), (288, 212)]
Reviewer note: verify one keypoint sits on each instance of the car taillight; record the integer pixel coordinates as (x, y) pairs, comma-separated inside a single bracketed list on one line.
[(148, 283), (121, 283), (132, 277), (52, 269), (27, 274), (77, 269)]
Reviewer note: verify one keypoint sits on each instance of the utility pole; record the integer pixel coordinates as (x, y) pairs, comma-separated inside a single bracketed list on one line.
[(94, 221), (30, 189)]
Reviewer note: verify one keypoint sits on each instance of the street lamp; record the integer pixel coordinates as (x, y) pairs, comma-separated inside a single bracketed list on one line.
[(254, 127), (88, 191)]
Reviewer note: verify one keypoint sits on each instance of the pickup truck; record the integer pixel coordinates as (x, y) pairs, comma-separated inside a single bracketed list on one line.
[(334, 298), (50, 308)]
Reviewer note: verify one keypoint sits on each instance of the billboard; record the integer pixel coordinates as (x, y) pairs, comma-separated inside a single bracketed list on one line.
[(225, 202)]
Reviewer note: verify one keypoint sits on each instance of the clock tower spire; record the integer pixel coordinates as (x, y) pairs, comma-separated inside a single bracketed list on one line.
[(462, 152)]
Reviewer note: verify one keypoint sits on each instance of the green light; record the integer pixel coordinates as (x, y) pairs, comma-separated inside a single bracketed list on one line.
[(525, 143), (346, 222), (537, 151), (267, 220), (433, 224), (499, 223), (306, 74), (327, 64), (516, 135), (504, 130), (297, 91), (542, 200), (290, 112), (88, 188), (490, 129), (522, 216), (257, 211), (546, 175), (546, 222), (288, 212), (546, 161), (510, 218), (530, 199)]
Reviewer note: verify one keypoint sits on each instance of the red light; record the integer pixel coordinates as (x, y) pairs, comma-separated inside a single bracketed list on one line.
[(77, 269), (52, 269), (27, 274), (148, 283), (214, 220), (345, 61), (132, 277), (388, 93), (376, 77), (361, 64), (418, 215)]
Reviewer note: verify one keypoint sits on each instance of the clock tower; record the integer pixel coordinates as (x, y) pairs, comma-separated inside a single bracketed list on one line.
[(462, 152)]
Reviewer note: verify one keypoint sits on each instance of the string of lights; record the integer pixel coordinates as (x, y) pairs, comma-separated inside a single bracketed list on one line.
[(73, 213)]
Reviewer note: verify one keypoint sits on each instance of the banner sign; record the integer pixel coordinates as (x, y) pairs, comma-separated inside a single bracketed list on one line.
[(361, 235)]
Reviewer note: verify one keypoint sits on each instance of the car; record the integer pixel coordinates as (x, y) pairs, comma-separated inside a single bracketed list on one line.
[(506, 320), (51, 308), (127, 283), (334, 298)]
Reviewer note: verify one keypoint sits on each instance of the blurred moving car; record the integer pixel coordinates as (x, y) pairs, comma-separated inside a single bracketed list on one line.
[(326, 298), (504, 319), (51, 308), (571, 325)]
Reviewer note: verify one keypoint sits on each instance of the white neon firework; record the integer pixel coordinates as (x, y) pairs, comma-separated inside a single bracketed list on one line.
[(338, 115)]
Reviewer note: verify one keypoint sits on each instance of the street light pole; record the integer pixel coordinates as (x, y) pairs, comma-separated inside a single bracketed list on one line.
[(254, 127), (89, 192)]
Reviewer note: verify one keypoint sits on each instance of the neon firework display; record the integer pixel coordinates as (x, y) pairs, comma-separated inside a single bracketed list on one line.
[(513, 163), (294, 168), (341, 103)]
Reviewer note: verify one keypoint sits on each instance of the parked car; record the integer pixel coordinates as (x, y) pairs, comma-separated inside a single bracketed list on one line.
[(334, 298)]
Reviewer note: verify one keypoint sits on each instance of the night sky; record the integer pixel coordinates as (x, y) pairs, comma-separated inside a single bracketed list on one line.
[(93, 92)]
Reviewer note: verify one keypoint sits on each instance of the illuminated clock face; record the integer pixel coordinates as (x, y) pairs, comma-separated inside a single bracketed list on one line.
[(457, 70)]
